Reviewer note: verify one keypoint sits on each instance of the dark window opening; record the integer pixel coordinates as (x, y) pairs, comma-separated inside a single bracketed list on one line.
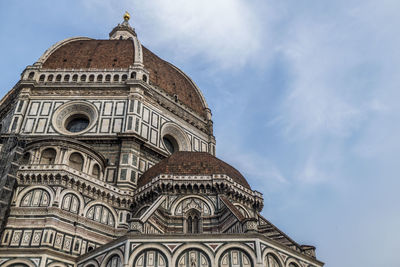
[(77, 123), (26, 158), (96, 171), (170, 144), (193, 223), (31, 75), (76, 161), (48, 156)]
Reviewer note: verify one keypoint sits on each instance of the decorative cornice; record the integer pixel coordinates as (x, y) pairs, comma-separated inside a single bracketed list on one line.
[(220, 183), (68, 177)]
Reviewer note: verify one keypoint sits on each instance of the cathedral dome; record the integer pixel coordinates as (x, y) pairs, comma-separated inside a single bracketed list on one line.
[(192, 163), (86, 53)]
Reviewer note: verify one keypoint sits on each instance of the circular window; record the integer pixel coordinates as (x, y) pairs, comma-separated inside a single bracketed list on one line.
[(170, 144), (77, 123), (174, 138), (75, 117)]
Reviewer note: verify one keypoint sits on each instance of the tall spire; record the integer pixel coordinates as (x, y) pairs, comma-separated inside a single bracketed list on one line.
[(124, 30)]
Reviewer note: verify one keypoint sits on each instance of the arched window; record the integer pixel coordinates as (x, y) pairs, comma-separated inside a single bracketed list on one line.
[(116, 78), (70, 203), (75, 77), (66, 78), (76, 161), (101, 214), (83, 78), (193, 222), (50, 78), (193, 257), (31, 75), (152, 257), (271, 261), (96, 170), (91, 78), (48, 156), (170, 143), (236, 258), (100, 78), (145, 78), (108, 77), (42, 77), (25, 159), (58, 78), (293, 264), (36, 198), (133, 75), (192, 204), (114, 261), (124, 77)]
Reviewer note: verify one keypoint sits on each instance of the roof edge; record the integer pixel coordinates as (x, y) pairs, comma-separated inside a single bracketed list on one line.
[(57, 45), (198, 91)]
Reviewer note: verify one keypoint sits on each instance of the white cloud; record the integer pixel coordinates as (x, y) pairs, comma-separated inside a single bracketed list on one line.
[(255, 167), (224, 32), (318, 101), (341, 69)]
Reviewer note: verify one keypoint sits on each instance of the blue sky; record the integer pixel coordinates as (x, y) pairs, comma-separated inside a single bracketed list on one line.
[(304, 96)]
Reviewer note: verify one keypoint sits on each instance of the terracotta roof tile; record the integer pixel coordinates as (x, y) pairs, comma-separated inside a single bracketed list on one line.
[(192, 163), (167, 77), (95, 54), (109, 54)]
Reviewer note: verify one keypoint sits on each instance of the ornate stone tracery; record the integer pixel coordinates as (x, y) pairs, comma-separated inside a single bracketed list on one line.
[(193, 202)]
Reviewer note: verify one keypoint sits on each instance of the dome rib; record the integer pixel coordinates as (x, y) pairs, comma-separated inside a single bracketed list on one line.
[(166, 76), (192, 163)]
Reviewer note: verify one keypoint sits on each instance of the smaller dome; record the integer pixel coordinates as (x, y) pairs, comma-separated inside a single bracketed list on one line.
[(192, 163)]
